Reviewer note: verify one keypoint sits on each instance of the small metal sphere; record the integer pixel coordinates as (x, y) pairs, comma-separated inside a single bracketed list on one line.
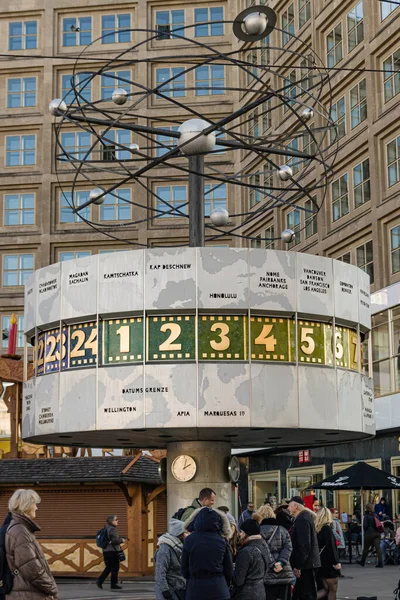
[(94, 196), (287, 236), (285, 172), (255, 23), (56, 106), (201, 144), (134, 147), (307, 114), (119, 96), (219, 217)]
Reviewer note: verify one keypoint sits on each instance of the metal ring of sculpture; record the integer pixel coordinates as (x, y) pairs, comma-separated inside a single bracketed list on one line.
[(303, 104)]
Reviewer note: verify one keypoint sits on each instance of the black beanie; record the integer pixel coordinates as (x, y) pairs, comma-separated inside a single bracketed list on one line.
[(250, 527)]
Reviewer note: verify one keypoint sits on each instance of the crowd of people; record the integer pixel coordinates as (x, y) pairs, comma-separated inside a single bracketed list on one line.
[(290, 552)]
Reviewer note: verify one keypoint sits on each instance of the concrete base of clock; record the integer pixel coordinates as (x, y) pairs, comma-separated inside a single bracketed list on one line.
[(212, 471)]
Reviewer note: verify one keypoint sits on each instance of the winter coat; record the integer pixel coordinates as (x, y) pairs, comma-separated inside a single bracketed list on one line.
[(190, 509), (168, 567), (305, 553), (3, 529), (252, 563), (115, 541), (338, 533), (284, 519), (328, 553), (34, 580), (206, 556), (246, 514), (369, 524), (382, 509), (280, 546)]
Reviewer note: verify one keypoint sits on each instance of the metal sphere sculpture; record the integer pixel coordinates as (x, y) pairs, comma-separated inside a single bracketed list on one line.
[(277, 134)]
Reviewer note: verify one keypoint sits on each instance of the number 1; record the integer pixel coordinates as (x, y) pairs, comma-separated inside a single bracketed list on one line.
[(124, 341)]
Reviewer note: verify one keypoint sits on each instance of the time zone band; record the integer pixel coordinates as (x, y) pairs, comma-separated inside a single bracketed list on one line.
[(188, 338)]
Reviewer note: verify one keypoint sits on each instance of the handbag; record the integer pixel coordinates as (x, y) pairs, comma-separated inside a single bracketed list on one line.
[(378, 525), (121, 555), (286, 569)]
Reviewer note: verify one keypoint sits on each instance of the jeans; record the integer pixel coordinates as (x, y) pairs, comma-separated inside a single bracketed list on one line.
[(112, 566), (306, 586)]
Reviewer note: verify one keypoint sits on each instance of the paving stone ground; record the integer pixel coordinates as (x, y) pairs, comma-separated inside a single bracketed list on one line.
[(357, 581)]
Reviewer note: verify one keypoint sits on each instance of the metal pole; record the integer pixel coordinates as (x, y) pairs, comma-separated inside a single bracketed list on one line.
[(196, 201)]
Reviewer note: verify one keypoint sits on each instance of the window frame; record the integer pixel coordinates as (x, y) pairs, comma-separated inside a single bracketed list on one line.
[(362, 183), (76, 219), (174, 204), (288, 24), (395, 162), (116, 204), (19, 270), (392, 8), (393, 77), (117, 31), (360, 105), (20, 150), (24, 35), (173, 83), (394, 250), (294, 226), (87, 89), (22, 93), (366, 263), (210, 90), (209, 23), (304, 8), (85, 253), (169, 34), (20, 210), (338, 121), (333, 50), (79, 33), (355, 28), (338, 200), (76, 152)]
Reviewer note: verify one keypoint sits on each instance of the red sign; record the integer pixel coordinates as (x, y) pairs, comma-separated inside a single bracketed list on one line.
[(307, 456), (301, 457)]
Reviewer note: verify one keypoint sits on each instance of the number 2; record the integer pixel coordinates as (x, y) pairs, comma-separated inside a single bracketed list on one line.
[(168, 345), (224, 342), (51, 341)]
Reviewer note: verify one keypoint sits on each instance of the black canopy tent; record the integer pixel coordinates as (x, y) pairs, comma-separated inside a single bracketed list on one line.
[(360, 476)]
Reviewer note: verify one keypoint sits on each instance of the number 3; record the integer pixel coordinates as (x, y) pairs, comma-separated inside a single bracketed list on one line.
[(306, 337), (224, 342)]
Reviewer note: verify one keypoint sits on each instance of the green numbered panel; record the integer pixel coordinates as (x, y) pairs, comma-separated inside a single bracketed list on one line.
[(39, 353), (342, 347), (272, 339), (170, 338), (83, 344), (222, 337), (123, 340), (56, 345), (314, 343)]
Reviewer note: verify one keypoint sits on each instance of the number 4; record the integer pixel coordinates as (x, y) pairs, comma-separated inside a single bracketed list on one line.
[(264, 340)]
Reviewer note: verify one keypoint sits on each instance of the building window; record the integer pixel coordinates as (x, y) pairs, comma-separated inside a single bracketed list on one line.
[(22, 35), (334, 46), (175, 196), (5, 325), (391, 76), (19, 209), (115, 28), (304, 12), (165, 143), (309, 146), (214, 197), (387, 8), (211, 21), (293, 222), (168, 21), (78, 90), (365, 259), (115, 145), (393, 161), (76, 145), (66, 204), (113, 250), (175, 79), (210, 79), (72, 255), (116, 207), (358, 103), (338, 116), (355, 26), (311, 223), (269, 235), (287, 20), (340, 197), (295, 161), (290, 90), (361, 181), (77, 32), (114, 79), (16, 269), (344, 258), (21, 92), (254, 192), (20, 150), (256, 242), (395, 248)]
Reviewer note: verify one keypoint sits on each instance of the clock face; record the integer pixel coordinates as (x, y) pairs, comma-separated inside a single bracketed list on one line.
[(184, 468), (234, 469)]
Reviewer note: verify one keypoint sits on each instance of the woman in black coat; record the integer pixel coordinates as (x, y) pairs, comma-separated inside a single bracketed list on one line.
[(329, 570), (252, 563), (206, 557)]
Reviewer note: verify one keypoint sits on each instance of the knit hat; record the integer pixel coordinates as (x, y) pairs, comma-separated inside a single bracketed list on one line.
[(176, 527), (250, 527), (231, 518)]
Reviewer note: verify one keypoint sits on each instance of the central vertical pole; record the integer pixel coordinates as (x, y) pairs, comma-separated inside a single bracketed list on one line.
[(196, 201)]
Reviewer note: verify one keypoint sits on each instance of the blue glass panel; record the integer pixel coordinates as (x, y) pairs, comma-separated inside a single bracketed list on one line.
[(217, 14), (30, 84), (201, 16), (179, 193), (15, 43), (124, 22), (10, 279), (13, 142), (11, 261), (31, 27), (28, 142), (12, 201), (85, 38), (15, 28), (108, 27), (11, 217), (162, 17), (14, 85), (27, 217), (31, 42), (107, 213), (26, 261), (68, 23), (178, 17)]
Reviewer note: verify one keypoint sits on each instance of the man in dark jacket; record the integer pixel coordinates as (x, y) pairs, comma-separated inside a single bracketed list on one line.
[(246, 514), (305, 557), (206, 498)]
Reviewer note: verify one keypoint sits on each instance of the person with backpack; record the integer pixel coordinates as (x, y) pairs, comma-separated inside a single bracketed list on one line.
[(109, 540), (279, 578), (252, 564), (31, 575), (372, 535), (169, 582), (206, 497)]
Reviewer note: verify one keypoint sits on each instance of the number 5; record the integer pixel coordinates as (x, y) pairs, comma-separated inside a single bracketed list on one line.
[(306, 337)]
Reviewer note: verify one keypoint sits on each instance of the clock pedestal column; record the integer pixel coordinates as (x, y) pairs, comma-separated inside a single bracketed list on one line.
[(212, 471)]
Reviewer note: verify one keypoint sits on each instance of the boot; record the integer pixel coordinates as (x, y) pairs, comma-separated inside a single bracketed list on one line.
[(360, 562), (379, 566)]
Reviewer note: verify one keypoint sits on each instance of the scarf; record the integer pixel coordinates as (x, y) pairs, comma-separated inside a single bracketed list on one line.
[(170, 540)]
